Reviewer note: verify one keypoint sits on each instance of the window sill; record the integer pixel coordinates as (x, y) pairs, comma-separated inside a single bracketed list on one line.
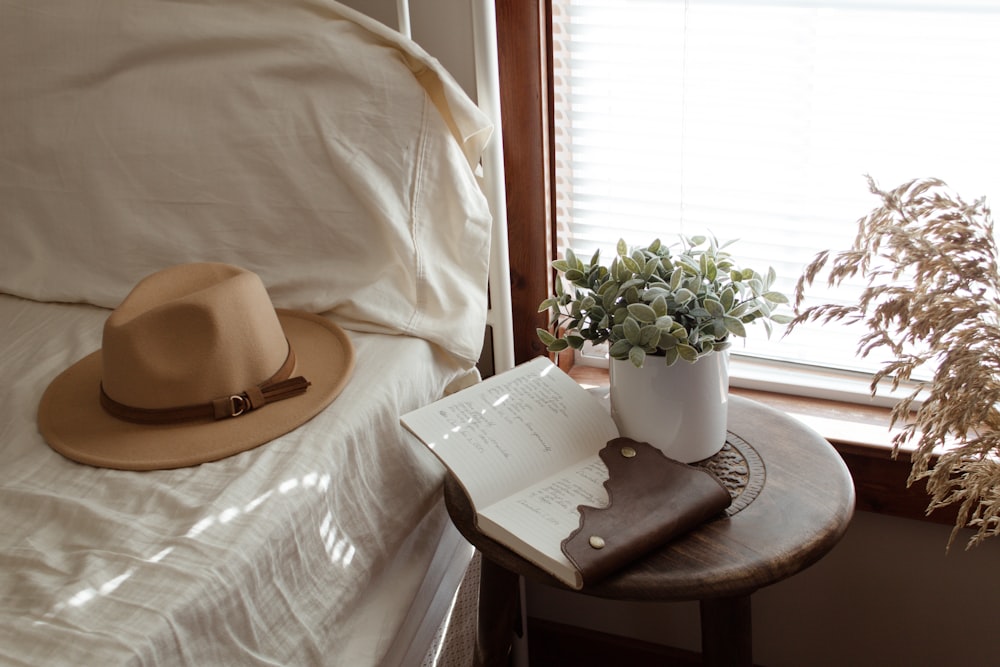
[(859, 433)]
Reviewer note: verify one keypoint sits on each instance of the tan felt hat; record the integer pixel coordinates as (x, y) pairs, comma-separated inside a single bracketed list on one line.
[(196, 364)]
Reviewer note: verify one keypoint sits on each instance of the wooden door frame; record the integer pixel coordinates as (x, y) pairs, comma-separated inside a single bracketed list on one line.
[(524, 38)]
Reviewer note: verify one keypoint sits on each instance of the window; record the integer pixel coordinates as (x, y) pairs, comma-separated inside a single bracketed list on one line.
[(758, 121)]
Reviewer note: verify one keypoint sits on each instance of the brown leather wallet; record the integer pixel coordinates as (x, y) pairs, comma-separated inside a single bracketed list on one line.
[(652, 499)]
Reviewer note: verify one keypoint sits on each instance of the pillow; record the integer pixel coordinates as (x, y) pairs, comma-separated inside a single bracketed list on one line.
[(296, 138)]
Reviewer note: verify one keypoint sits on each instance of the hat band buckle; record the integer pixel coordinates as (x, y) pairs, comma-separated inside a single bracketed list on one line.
[(278, 387), (239, 404)]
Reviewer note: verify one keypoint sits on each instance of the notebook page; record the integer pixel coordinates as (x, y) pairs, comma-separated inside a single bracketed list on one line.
[(513, 430), (540, 517)]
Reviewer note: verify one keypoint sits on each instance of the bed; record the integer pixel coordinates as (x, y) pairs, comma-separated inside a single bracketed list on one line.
[(336, 159)]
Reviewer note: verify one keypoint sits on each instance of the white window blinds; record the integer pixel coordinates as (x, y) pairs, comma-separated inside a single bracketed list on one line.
[(758, 121)]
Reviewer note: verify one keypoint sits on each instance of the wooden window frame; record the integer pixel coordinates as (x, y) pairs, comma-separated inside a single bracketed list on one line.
[(524, 42)]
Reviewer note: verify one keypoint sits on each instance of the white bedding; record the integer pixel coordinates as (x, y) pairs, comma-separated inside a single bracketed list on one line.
[(296, 139), (258, 559), (335, 159)]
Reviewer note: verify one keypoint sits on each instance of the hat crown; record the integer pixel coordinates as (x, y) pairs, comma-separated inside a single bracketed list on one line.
[(190, 334)]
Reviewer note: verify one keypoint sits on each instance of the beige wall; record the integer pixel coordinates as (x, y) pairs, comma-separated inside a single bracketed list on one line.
[(886, 596), (442, 27)]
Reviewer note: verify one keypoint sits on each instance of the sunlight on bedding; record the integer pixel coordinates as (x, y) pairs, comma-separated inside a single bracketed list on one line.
[(341, 551), (261, 557), (337, 544), (198, 560)]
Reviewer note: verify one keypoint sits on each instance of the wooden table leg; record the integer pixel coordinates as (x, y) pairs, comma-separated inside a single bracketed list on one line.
[(499, 615), (726, 639)]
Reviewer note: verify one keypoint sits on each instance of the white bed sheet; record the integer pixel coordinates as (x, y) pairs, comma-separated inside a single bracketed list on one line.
[(259, 559)]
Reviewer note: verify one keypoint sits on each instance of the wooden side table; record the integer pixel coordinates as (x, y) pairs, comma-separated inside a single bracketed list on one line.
[(793, 498)]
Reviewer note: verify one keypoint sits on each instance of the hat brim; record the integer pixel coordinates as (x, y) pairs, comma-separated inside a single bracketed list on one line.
[(73, 423)]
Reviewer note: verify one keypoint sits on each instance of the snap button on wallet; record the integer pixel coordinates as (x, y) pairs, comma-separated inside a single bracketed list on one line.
[(652, 499)]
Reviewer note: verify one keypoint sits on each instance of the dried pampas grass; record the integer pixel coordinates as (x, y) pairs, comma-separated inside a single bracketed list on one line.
[(932, 294)]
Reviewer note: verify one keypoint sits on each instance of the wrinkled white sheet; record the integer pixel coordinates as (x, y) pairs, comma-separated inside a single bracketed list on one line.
[(259, 559)]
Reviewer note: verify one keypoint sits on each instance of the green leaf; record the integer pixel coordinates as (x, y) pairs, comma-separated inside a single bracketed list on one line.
[(607, 286), (698, 312), (728, 297), (714, 308), (687, 353), (667, 341), (659, 305), (634, 282), (594, 278), (608, 297), (621, 248), (689, 266), (573, 275), (735, 327), (745, 308), (545, 336), (711, 271), (637, 356), (650, 268), (719, 329), (684, 296), (671, 356), (771, 277), (632, 331), (775, 297), (655, 292), (575, 342), (558, 345), (618, 271), (619, 349), (649, 336), (642, 312), (561, 265), (781, 318), (548, 303), (675, 278)]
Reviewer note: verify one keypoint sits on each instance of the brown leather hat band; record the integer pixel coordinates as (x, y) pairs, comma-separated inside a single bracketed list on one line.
[(276, 388)]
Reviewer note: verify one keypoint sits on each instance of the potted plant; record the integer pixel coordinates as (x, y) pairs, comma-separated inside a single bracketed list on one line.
[(655, 306), (932, 297)]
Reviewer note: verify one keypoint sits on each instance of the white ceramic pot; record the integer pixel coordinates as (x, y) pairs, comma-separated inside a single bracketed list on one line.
[(679, 409)]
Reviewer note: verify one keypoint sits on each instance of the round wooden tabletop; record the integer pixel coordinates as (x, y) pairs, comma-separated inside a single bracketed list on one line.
[(792, 505)]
